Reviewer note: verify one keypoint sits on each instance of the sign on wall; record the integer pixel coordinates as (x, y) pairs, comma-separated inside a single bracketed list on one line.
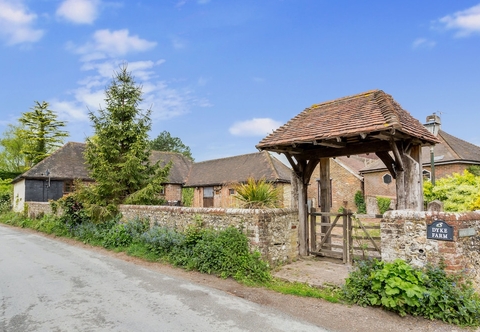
[(440, 230)]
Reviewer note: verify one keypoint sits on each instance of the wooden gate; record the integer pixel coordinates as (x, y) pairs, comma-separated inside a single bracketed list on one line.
[(343, 236)]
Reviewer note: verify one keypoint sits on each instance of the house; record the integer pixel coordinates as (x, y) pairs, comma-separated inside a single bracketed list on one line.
[(54, 176), (215, 180), (345, 181), (181, 165), (451, 155)]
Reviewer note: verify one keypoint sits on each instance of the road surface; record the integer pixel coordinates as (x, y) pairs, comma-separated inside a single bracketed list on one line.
[(47, 285)]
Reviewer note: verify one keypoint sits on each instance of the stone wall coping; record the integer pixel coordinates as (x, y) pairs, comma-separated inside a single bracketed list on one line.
[(226, 211), (429, 215)]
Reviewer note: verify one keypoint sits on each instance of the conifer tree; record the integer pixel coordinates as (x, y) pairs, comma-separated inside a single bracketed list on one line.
[(118, 154), (42, 133)]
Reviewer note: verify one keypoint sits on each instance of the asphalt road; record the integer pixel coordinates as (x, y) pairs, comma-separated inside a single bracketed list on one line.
[(47, 285)]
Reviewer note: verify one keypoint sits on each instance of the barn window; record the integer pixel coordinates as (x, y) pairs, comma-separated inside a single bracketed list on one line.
[(68, 187), (387, 178)]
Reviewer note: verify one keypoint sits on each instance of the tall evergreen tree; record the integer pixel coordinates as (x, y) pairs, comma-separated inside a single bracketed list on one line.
[(118, 154), (42, 133)]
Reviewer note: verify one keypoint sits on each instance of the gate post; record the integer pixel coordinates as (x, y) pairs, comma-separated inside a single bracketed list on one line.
[(313, 230)]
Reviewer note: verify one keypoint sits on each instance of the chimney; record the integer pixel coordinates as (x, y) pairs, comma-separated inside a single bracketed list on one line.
[(433, 124)]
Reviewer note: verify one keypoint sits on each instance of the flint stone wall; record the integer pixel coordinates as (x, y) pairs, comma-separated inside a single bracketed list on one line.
[(273, 232), (404, 236)]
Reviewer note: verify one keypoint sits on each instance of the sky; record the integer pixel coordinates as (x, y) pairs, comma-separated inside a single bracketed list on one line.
[(222, 74)]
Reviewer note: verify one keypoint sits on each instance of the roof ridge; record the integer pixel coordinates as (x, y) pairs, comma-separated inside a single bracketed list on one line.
[(230, 157), (338, 100)]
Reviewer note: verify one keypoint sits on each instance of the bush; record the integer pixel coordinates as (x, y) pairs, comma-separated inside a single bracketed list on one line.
[(162, 240), (360, 202), (383, 204), (6, 194), (257, 194), (458, 192), (398, 287)]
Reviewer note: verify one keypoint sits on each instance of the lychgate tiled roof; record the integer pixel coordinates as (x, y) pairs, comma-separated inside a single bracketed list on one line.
[(348, 120), (260, 165)]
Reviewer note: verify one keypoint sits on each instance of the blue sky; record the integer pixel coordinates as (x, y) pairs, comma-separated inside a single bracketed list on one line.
[(221, 74)]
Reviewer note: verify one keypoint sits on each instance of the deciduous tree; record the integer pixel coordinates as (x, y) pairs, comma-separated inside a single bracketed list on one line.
[(165, 142), (11, 145)]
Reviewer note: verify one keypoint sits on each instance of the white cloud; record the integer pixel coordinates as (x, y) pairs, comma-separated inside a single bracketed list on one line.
[(423, 43), (106, 43), (164, 101), (79, 11), (16, 23), (178, 43), (254, 127), (465, 22)]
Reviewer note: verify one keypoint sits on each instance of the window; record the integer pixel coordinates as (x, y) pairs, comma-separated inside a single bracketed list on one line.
[(231, 191), (426, 175), (68, 187), (162, 190), (387, 178)]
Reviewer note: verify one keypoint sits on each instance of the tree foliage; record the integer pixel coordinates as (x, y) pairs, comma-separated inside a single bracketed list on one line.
[(458, 192), (118, 154), (11, 145), (165, 142), (41, 132)]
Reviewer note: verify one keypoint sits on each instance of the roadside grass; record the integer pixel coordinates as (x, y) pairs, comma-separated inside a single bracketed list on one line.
[(329, 293)]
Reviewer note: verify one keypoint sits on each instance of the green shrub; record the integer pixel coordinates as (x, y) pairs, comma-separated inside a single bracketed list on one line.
[(187, 196), (163, 240), (6, 194), (458, 192), (257, 194), (360, 202), (398, 287), (50, 225), (227, 253), (383, 204)]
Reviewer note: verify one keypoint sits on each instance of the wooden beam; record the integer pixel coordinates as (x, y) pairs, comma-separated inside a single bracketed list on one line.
[(332, 144), (349, 150), (388, 161), (396, 153)]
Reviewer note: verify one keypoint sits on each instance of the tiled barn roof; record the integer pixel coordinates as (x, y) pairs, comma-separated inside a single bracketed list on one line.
[(260, 165), (68, 163)]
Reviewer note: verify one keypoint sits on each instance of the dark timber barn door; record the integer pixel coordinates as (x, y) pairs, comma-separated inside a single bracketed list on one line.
[(208, 197)]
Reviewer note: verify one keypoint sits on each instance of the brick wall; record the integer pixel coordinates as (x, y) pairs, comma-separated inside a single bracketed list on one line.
[(344, 187), (273, 232), (173, 192), (404, 236)]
